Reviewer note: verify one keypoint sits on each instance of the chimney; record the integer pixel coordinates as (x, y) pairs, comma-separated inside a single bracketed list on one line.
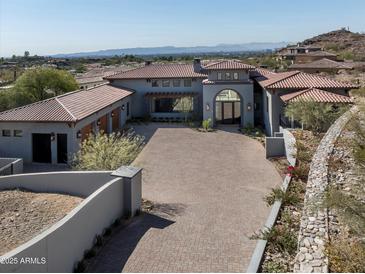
[(197, 65), (148, 62)]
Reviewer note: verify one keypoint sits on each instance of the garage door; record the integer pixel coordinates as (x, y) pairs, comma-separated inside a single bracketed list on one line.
[(41, 148)]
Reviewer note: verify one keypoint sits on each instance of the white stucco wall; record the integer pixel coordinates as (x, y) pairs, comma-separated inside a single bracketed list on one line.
[(245, 90)]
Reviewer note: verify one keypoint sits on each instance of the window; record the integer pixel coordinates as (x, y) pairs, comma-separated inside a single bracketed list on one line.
[(165, 83), (219, 76), (155, 83), (18, 133), (6, 132), (187, 83), (176, 82), (267, 103), (184, 104), (127, 109), (228, 76), (235, 76)]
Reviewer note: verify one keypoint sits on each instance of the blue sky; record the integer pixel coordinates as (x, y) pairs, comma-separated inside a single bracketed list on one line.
[(63, 26)]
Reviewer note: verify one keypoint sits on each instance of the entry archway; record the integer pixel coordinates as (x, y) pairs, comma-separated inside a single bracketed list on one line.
[(228, 107)]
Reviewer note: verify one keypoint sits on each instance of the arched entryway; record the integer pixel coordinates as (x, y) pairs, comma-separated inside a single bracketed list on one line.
[(228, 107)]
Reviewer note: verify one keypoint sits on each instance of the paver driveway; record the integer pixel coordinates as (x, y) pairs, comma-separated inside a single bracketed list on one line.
[(208, 188)]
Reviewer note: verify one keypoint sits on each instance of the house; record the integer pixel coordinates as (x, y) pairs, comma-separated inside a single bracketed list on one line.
[(322, 65), (304, 54), (51, 130), (226, 91)]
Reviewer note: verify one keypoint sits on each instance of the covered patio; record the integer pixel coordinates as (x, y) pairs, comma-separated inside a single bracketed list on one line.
[(172, 105)]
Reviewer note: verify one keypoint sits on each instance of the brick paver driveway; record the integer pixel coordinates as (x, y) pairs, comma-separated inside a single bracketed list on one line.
[(208, 190)]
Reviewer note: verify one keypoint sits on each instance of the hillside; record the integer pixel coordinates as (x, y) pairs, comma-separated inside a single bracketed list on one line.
[(346, 44)]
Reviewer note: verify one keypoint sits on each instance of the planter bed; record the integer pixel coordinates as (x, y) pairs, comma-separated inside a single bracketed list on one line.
[(25, 214), (282, 239)]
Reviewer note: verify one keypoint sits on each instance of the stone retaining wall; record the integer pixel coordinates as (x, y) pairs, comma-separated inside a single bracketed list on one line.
[(313, 232)]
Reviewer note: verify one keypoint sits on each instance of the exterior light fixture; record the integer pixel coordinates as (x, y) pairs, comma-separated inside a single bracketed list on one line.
[(207, 107), (79, 134), (123, 107), (98, 123), (53, 136), (249, 107), (112, 114)]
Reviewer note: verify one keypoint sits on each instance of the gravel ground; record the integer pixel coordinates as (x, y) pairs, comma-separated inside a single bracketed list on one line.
[(24, 215)]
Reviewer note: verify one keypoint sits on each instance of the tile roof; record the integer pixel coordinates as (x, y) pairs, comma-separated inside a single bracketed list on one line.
[(159, 71), (316, 95), (301, 80), (70, 107), (228, 64), (321, 64)]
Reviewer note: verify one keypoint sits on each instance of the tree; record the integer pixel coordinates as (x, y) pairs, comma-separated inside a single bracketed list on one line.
[(316, 117), (26, 54), (42, 83)]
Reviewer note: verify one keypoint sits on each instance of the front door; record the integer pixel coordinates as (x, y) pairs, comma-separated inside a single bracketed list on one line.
[(41, 148), (228, 112)]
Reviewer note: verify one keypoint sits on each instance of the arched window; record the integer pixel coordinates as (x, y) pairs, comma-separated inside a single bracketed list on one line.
[(227, 95)]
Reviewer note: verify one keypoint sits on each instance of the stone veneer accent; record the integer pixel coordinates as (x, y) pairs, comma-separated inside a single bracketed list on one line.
[(313, 232)]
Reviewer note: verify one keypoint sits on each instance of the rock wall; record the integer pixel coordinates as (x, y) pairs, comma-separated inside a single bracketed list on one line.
[(313, 232)]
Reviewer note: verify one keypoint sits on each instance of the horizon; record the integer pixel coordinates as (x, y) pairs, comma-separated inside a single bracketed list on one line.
[(64, 27)]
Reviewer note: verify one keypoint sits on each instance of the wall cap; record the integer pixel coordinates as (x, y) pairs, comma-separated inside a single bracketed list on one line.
[(126, 171)]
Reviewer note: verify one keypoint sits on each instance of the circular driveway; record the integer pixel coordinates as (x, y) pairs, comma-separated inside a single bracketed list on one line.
[(208, 189)]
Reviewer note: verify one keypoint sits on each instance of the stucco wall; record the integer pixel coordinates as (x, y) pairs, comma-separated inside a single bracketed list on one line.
[(21, 147), (64, 243), (245, 91), (140, 107), (242, 75), (9, 166)]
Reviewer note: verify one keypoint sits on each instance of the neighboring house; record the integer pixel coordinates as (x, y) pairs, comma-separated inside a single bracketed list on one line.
[(304, 54), (90, 82), (322, 65), (227, 92), (50, 131)]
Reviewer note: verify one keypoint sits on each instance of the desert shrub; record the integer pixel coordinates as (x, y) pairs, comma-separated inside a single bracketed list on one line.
[(286, 197), (282, 238), (207, 124), (249, 129), (108, 151), (314, 116), (274, 267), (349, 209), (346, 256)]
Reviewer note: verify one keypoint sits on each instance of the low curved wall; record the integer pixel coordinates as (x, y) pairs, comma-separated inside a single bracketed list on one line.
[(313, 232), (290, 153), (64, 243)]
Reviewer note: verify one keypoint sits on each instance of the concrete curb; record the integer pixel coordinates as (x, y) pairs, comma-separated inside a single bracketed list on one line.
[(258, 253)]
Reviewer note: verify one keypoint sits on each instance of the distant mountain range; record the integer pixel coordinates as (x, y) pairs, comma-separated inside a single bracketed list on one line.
[(221, 48)]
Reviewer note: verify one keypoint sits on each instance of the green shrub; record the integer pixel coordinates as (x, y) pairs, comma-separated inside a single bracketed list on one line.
[(286, 197), (108, 151), (314, 116), (281, 237), (207, 124)]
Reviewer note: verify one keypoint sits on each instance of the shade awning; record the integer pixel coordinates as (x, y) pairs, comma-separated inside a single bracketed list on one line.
[(171, 94)]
